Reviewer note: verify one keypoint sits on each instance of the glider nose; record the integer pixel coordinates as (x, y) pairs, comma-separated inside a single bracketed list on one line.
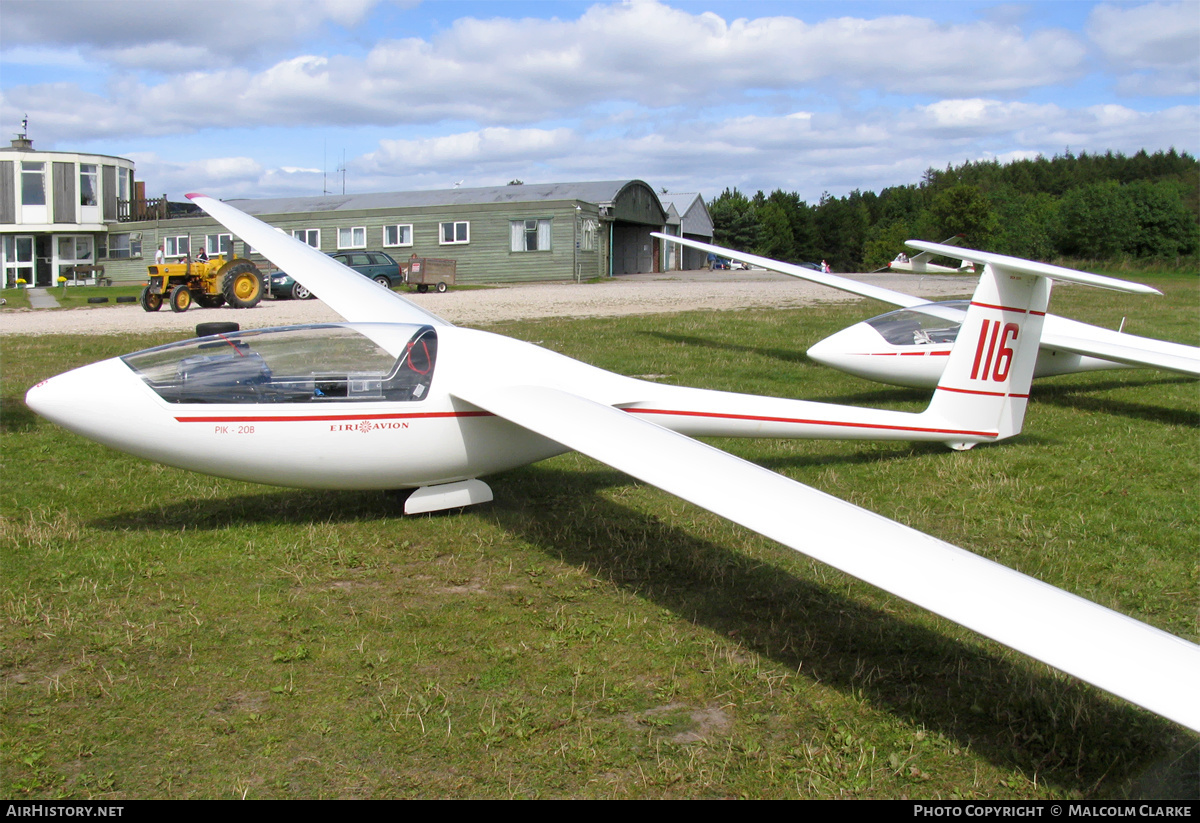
[(846, 349), (100, 401)]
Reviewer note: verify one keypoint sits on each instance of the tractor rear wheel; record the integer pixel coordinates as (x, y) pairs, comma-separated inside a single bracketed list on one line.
[(150, 301), (241, 284), (181, 299)]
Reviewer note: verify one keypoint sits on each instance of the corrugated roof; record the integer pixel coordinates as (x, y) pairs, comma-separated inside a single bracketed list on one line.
[(600, 192)]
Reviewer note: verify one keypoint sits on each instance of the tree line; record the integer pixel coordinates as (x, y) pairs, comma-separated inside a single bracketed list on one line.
[(1100, 207)]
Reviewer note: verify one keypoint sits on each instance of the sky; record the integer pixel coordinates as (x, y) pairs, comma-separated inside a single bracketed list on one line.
[(272, 98)]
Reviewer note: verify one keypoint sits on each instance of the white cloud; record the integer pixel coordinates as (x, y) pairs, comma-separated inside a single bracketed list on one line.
[(508, 71), (1155, 35), (1154, 44), (143, 34), (474, 150)]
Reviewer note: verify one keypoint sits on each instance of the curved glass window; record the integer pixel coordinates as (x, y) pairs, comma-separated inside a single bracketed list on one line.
[(308, 364), (921, 326)]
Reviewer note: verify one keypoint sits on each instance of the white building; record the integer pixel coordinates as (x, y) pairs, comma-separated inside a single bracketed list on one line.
[(55, 212)]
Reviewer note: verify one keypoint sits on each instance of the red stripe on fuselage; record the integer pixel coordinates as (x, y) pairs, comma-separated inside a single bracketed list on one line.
[(309, 418), (674, 412)]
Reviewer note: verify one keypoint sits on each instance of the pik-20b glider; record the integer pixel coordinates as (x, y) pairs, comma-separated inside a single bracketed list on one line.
[(911, 346), (396, 397)]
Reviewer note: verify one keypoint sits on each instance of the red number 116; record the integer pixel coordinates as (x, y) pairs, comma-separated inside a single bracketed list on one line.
[(985, 350)]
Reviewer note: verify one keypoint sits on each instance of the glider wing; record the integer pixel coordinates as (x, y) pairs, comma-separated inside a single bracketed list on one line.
[(1135, 661)]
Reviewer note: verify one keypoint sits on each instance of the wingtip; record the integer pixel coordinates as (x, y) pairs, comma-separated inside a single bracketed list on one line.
[(194, 194)]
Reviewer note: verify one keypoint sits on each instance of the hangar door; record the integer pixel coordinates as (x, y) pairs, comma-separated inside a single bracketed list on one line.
[(636, 211), (634, 249)]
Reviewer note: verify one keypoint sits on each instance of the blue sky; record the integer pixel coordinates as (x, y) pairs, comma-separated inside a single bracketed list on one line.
[(259, 98)]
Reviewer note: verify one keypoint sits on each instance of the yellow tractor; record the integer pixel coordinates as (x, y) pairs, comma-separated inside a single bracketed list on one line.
[(211, 283)]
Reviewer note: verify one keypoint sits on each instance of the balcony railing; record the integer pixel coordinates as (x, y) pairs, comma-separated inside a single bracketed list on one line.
[(157, 208), (129, 211)]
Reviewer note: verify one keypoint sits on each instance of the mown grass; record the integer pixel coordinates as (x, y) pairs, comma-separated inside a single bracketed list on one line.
[(73, 297), (171, 635)]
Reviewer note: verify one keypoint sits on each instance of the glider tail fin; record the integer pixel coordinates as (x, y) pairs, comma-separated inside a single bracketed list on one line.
[(990, 369), (987, 378)]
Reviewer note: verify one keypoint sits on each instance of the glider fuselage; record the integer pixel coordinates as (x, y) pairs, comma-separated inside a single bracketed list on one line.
[(281, 407)]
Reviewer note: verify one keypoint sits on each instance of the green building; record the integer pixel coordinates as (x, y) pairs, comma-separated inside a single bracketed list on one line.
[(498, 234)]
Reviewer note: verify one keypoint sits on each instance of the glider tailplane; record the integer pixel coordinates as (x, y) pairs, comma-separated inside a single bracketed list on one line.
[(989, 370)]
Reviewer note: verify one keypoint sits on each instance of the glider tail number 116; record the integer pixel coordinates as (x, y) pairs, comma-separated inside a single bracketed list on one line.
[(396, 397)]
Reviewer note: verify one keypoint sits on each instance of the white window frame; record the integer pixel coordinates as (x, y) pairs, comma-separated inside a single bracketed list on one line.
[(309, 237), (537, 229), (357, 238), (588, 233), (172, 244), (454, 224), (33, 183), (401, 230), (212, 244), (124, 183), (91, 173)]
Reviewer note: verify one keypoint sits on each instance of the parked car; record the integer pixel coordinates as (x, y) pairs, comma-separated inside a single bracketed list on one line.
[(282, 285), (376, 265)]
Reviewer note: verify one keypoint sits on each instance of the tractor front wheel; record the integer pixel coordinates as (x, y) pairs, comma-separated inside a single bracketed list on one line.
[(181, 299), (242, 285), (150, 300)]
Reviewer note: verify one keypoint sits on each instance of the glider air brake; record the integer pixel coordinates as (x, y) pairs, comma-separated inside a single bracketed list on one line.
[(910, 346), (398, 398)]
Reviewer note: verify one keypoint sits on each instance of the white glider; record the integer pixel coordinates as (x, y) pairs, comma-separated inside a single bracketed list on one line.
[(919, 263), (398, 398), (909, 347)]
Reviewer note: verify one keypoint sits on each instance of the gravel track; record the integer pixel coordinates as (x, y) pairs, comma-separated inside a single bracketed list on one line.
[(625, 295)]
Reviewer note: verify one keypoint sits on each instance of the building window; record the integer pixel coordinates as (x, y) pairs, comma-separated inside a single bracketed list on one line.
[(87, 185), (587, 238), (180, 246), (215, 245), (309, 237), (531, 235), (400, 235), (75, 248), (124, 183), (355, 238), (33, 184), (126, 245), (459, 232)]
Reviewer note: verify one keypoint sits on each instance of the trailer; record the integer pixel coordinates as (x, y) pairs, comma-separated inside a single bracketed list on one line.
[(424, 272)]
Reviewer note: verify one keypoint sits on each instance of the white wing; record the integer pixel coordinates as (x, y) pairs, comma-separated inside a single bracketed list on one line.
[(896, 298), (1119, 347), (356, 298), (1003, 261), (1137, 662)]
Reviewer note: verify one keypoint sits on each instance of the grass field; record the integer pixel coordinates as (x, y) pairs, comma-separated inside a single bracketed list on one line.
[(172, 635)]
